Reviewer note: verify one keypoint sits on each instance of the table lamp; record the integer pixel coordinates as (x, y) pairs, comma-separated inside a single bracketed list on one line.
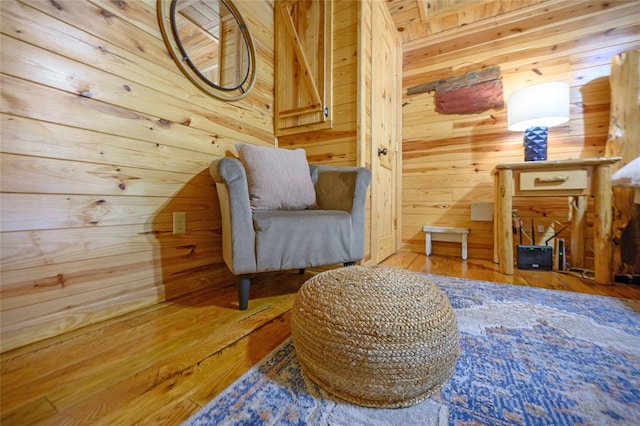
[(533, 110)]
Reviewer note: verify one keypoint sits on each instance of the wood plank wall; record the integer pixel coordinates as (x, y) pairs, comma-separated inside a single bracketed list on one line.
[(448, 159), (102, 140)]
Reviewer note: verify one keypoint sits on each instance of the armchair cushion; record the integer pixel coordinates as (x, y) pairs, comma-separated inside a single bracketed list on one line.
[(301, 239), (278, 179)]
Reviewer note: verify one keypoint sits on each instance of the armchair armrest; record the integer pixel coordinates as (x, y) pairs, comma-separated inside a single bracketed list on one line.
[(237, 219), (344, 188)]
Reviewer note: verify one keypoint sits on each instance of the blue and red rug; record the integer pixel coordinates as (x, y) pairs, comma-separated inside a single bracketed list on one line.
[(528, 357)]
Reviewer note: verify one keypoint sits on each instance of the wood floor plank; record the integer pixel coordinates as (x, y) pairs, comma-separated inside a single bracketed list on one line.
[(174, 414), (79, 358), (177, 358), (205, 379), (165, 343), (35, 412), (159, 365), (233, 362)]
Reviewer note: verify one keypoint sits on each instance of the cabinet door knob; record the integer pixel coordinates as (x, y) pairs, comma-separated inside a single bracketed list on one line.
[(382, 151)]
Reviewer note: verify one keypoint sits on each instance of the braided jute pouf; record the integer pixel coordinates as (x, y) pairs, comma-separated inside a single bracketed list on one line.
[(376, 336)]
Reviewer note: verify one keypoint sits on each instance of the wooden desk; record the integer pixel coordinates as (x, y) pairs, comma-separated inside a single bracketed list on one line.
[(577, 178)]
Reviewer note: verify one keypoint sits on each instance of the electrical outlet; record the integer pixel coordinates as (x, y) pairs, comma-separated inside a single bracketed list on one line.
[(179, 222), (541, 229)]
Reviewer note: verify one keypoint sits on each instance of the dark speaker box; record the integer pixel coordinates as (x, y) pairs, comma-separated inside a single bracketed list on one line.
[(535, 257)]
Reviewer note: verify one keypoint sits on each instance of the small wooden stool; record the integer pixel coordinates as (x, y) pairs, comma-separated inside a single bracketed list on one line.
[(462, 232)]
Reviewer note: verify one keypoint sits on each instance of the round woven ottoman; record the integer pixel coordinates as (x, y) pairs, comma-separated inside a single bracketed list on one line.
[(375, 336)]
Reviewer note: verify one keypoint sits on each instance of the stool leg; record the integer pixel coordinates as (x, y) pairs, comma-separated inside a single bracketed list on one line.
[(427, 243), (464, 246)]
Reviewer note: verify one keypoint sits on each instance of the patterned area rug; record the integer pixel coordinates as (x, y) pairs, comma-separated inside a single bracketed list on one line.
[(528, 356)]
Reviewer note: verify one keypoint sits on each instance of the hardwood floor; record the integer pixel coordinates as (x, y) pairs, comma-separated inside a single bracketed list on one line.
[(161, 364)]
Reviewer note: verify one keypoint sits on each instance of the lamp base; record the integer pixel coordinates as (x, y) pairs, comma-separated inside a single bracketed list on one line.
[(535, 144)]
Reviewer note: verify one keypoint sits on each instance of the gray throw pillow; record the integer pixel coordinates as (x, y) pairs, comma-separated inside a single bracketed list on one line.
[(278, 179)]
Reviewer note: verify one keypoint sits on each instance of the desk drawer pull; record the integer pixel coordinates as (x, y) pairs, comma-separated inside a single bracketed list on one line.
[(554, 179)]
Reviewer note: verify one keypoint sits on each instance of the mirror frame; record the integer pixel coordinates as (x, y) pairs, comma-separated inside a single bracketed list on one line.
[(174, 45)]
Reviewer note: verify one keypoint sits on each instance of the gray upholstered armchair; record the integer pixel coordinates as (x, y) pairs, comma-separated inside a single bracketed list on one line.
[(259, 240)]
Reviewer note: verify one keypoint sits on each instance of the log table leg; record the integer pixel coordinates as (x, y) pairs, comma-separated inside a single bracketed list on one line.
[(578, 230), (602, 223), (504, 206), (496, 220)]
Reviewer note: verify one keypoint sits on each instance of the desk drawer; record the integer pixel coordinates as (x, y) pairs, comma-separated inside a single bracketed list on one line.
[(555, 180)]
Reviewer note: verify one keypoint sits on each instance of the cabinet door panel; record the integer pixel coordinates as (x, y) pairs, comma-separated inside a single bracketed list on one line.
[(303, 66)]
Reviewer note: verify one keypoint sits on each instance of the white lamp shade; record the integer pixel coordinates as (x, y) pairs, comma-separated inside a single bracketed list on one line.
[(542, 105)]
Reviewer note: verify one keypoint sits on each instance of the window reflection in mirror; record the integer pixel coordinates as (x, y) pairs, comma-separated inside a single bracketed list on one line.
[(211, 44)]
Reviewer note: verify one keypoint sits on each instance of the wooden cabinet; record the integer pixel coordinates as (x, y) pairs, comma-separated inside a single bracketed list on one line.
[(303, 66)]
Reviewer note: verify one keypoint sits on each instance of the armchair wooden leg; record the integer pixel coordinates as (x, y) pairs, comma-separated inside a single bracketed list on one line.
[(243, 284)]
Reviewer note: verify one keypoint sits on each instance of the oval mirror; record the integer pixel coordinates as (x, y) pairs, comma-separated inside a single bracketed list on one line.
[(211, 44)]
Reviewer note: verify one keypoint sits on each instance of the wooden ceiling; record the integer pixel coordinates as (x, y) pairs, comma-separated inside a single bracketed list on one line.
[(416, 19)]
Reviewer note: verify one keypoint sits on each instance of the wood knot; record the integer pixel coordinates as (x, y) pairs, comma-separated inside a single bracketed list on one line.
[(106, 14), (191, 248)]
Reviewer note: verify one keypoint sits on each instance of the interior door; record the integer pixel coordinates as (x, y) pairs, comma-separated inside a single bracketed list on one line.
[(385, 134)]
